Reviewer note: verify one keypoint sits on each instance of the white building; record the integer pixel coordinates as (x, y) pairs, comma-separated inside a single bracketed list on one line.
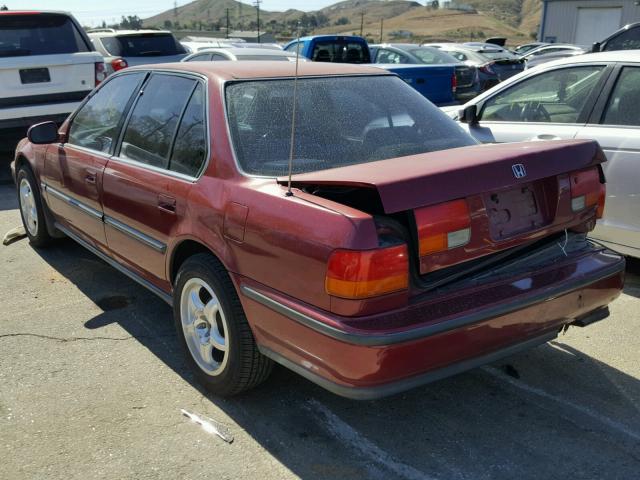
[(585, 21)]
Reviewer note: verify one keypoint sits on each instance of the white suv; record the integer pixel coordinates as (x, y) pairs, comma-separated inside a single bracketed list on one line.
[(47, 66)]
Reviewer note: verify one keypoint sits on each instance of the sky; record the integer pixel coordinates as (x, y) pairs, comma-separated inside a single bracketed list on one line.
[(92, 13)]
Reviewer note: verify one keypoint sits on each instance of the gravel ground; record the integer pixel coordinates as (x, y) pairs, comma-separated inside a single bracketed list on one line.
[(92, 383)]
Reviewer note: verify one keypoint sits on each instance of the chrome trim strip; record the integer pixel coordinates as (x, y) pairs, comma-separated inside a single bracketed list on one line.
[(387, 389), (434, 329), (121, 268), (135, 234), (92, 212)]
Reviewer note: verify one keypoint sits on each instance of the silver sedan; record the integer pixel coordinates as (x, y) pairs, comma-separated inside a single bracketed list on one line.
[(589, 96)]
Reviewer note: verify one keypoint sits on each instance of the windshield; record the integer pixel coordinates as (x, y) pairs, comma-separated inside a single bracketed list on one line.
[(143, 45), (433, 56), (338, 122), (39, 34)]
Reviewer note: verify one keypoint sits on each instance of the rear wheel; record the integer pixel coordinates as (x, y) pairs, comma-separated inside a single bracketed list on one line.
[(31, 208), (213, 329)]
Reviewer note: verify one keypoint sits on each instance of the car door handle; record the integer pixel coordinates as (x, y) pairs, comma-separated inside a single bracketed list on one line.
[(90, 177), (544, 136), (167, 203)]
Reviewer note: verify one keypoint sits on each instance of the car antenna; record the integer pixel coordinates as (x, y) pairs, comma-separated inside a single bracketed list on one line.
[(293, 113)]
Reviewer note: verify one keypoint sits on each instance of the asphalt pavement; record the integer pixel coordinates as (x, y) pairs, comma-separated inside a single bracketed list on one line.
[(92, 383)]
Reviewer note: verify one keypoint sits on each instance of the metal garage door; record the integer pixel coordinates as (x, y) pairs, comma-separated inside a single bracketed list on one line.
[(594, 24)]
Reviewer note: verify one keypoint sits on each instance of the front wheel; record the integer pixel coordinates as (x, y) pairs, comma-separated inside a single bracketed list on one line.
[(213, 329), (31, 208)]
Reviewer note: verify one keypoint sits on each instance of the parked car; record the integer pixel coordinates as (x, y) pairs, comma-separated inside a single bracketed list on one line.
[(467, 79), (47, 66), (627, 38), (401, 252), (240, 54), (588, 96), (494, 64), (522, 49), (553, 48), (194, 47), (549, 57), (122, 48), (435, 82)]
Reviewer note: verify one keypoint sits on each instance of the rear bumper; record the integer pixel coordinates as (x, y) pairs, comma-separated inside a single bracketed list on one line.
[(438, 338)]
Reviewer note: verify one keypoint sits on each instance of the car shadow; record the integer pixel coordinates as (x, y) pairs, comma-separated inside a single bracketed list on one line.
[(551, 412)]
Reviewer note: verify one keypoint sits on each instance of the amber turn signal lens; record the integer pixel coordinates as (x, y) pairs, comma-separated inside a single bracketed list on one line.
[(358, 274), (443, 227), (586, 190)]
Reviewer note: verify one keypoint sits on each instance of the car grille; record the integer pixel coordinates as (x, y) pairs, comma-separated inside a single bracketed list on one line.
[(464, 76)]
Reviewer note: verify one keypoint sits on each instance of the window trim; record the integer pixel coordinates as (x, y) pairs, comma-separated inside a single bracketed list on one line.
[(589, 105), (165, 171)]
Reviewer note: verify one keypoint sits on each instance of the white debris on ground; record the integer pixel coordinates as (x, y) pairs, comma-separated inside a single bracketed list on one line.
[(14, 235)]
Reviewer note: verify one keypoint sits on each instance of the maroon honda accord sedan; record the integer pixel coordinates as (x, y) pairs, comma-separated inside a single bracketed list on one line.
[(397, 252)]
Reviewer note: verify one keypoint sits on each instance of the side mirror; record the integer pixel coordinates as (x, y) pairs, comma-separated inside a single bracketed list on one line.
[(43, 133), (469, 115), (596, 47)]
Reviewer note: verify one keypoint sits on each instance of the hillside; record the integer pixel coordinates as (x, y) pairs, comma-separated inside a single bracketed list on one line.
[(515, 19)]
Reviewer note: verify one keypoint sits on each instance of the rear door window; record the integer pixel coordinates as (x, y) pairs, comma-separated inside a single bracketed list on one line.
[(340, 51), (97, 123), (39, 34), (152, 125), (623, 104), (143, 45), (557, 96), (190, 147)]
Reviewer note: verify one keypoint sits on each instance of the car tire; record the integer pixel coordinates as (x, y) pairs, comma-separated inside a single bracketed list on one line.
[(213, 329), (32, 208)]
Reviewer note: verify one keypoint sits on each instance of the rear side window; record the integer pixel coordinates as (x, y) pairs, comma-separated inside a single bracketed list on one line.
[(152, 125), (200, 58), (96, 124), (340, 52), (189, 149), (39, 34), (623, 104), (143, 45)]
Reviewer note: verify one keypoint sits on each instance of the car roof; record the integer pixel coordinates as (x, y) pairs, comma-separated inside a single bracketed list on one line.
[(632, 56), (262, 69)]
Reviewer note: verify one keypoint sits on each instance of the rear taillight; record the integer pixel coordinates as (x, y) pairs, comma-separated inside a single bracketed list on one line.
[(454, 83), (357, 274), (487, 68), (443, 227), (101, 73), (587, 191), (119, 64)]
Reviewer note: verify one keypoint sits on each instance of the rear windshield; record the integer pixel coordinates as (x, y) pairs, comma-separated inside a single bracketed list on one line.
[(340, 51), (39, 34), (338, 122), (498, 55), (143, 45)]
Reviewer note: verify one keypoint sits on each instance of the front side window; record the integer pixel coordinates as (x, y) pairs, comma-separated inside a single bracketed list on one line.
[(39, 34), (338, 123), (96, 125), (153, 121), (557, 96), (389, 56), (625, 99), (190, 148), (627, 40)]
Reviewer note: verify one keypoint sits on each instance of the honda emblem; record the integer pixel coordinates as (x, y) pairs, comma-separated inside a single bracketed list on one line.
[(518, 170)]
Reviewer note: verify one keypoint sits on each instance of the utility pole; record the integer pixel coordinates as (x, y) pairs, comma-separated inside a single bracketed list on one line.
[(381, 28), (175, 9), (361, 22), (227, 35), (257, 4)]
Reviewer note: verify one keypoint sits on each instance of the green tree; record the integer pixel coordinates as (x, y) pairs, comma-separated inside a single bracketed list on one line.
[(4, 8)]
